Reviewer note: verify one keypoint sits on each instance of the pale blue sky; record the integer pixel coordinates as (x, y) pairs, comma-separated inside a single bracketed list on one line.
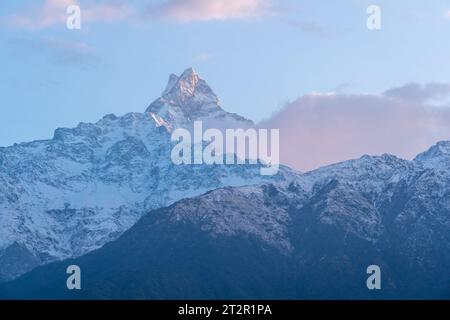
[(255, 61)]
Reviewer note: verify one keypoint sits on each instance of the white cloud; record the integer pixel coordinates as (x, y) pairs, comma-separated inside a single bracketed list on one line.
[(204, 10), (321, 129)]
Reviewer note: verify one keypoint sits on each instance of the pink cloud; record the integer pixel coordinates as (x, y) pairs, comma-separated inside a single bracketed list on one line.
[(53, 12), (320, 129), (204, 10), (108, 12)]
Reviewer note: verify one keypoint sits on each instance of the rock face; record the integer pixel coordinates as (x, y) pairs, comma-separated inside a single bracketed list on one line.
[(67, 196), (310, 236)]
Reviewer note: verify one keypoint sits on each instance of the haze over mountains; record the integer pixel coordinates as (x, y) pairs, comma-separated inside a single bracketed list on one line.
[(225, 232)]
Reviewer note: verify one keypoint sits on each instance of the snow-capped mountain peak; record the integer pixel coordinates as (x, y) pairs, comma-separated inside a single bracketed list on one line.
[(188, 98), (189, 86), (187, 95), (437, 157)]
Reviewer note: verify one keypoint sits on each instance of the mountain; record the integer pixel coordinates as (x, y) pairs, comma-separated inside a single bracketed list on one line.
[(437, 157), (64, 197), (189, 98), (312, 236), (107, 197)]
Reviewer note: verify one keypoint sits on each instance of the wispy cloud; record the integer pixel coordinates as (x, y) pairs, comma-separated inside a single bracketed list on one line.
[(447, 14), (320, 129), (310, 27), (53, 12), (342, 87), (49, 13), (417, 93), (205, 10), (60, 52), (202, 57)]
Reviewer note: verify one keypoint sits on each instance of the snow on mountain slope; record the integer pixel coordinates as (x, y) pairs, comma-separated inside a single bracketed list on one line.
[(360, 193), (312, 237), (437, 157), (69, 195)]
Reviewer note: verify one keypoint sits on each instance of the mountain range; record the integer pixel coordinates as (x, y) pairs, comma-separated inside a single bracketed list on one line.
[(64, 197), (107, 198)]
